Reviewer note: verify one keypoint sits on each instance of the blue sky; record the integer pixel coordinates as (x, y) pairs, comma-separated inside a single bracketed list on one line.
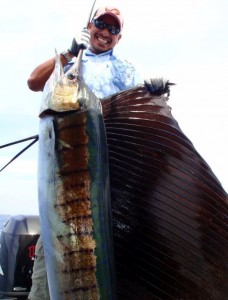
[(182, 40)]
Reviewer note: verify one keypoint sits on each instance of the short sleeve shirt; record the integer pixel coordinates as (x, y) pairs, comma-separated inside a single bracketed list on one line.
[(106, 74)]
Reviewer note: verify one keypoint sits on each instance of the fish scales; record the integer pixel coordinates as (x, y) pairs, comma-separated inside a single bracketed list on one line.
[(73, 206), (74, 196)]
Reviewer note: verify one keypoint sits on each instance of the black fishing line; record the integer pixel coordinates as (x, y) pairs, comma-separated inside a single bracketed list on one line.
[(35, 139)]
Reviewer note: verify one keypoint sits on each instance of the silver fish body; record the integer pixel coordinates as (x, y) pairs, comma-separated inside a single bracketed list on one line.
[(74, 200)]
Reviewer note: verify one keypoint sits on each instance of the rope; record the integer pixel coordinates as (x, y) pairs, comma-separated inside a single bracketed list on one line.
[(35, 138)]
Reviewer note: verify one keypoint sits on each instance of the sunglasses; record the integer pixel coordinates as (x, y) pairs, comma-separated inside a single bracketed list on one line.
[(102, 25)]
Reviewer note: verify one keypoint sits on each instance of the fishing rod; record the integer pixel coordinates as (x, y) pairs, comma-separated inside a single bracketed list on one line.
[(90, 14), (78, 62), (35, 138)]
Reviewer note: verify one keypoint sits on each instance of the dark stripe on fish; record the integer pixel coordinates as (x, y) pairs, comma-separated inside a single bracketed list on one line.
[(77, 233), (83, 289), (79, 251), (82, 269), (82, 217), (67, 203)]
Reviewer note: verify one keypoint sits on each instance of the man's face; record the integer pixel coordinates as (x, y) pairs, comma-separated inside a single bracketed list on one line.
[(101, 39)]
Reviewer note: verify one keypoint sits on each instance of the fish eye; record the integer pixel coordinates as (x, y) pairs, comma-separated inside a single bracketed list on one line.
[(71, 76)]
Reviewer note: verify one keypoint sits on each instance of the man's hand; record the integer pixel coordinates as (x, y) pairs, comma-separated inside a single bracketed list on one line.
[(80, 41)]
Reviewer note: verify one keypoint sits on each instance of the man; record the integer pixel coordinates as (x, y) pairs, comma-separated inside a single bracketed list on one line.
[(103, 72)]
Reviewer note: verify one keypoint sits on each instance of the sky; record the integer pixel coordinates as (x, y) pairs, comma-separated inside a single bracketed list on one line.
[(184, 41)]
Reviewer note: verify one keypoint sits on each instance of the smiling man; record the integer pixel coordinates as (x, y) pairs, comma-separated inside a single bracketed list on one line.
[(103, 72), (101, 39)]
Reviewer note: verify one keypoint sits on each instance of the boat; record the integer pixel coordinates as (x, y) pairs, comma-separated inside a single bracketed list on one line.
[(17, 254)]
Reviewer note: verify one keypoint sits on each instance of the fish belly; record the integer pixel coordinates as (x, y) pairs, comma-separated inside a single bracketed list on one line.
[(74, 205)]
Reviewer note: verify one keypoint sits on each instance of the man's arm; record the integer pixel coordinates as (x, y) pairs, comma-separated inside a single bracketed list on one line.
[(40, 74)]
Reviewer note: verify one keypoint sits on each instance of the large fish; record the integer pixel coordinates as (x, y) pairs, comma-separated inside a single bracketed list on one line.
[(169, 210), (74, 198)]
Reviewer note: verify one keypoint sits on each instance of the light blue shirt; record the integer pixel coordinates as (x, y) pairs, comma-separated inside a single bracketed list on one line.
[(106, 74)]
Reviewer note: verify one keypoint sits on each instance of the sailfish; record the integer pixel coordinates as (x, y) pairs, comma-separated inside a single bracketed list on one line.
[(129, 209)]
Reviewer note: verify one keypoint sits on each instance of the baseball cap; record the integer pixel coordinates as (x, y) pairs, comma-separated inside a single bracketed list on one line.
[(111, 11)]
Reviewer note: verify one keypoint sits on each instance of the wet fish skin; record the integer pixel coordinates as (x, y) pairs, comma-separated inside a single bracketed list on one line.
[(169, 209), (74, 198), (62, 91)]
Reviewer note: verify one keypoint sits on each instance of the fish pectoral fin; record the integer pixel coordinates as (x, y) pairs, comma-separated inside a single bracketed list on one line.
[(158, 86)]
